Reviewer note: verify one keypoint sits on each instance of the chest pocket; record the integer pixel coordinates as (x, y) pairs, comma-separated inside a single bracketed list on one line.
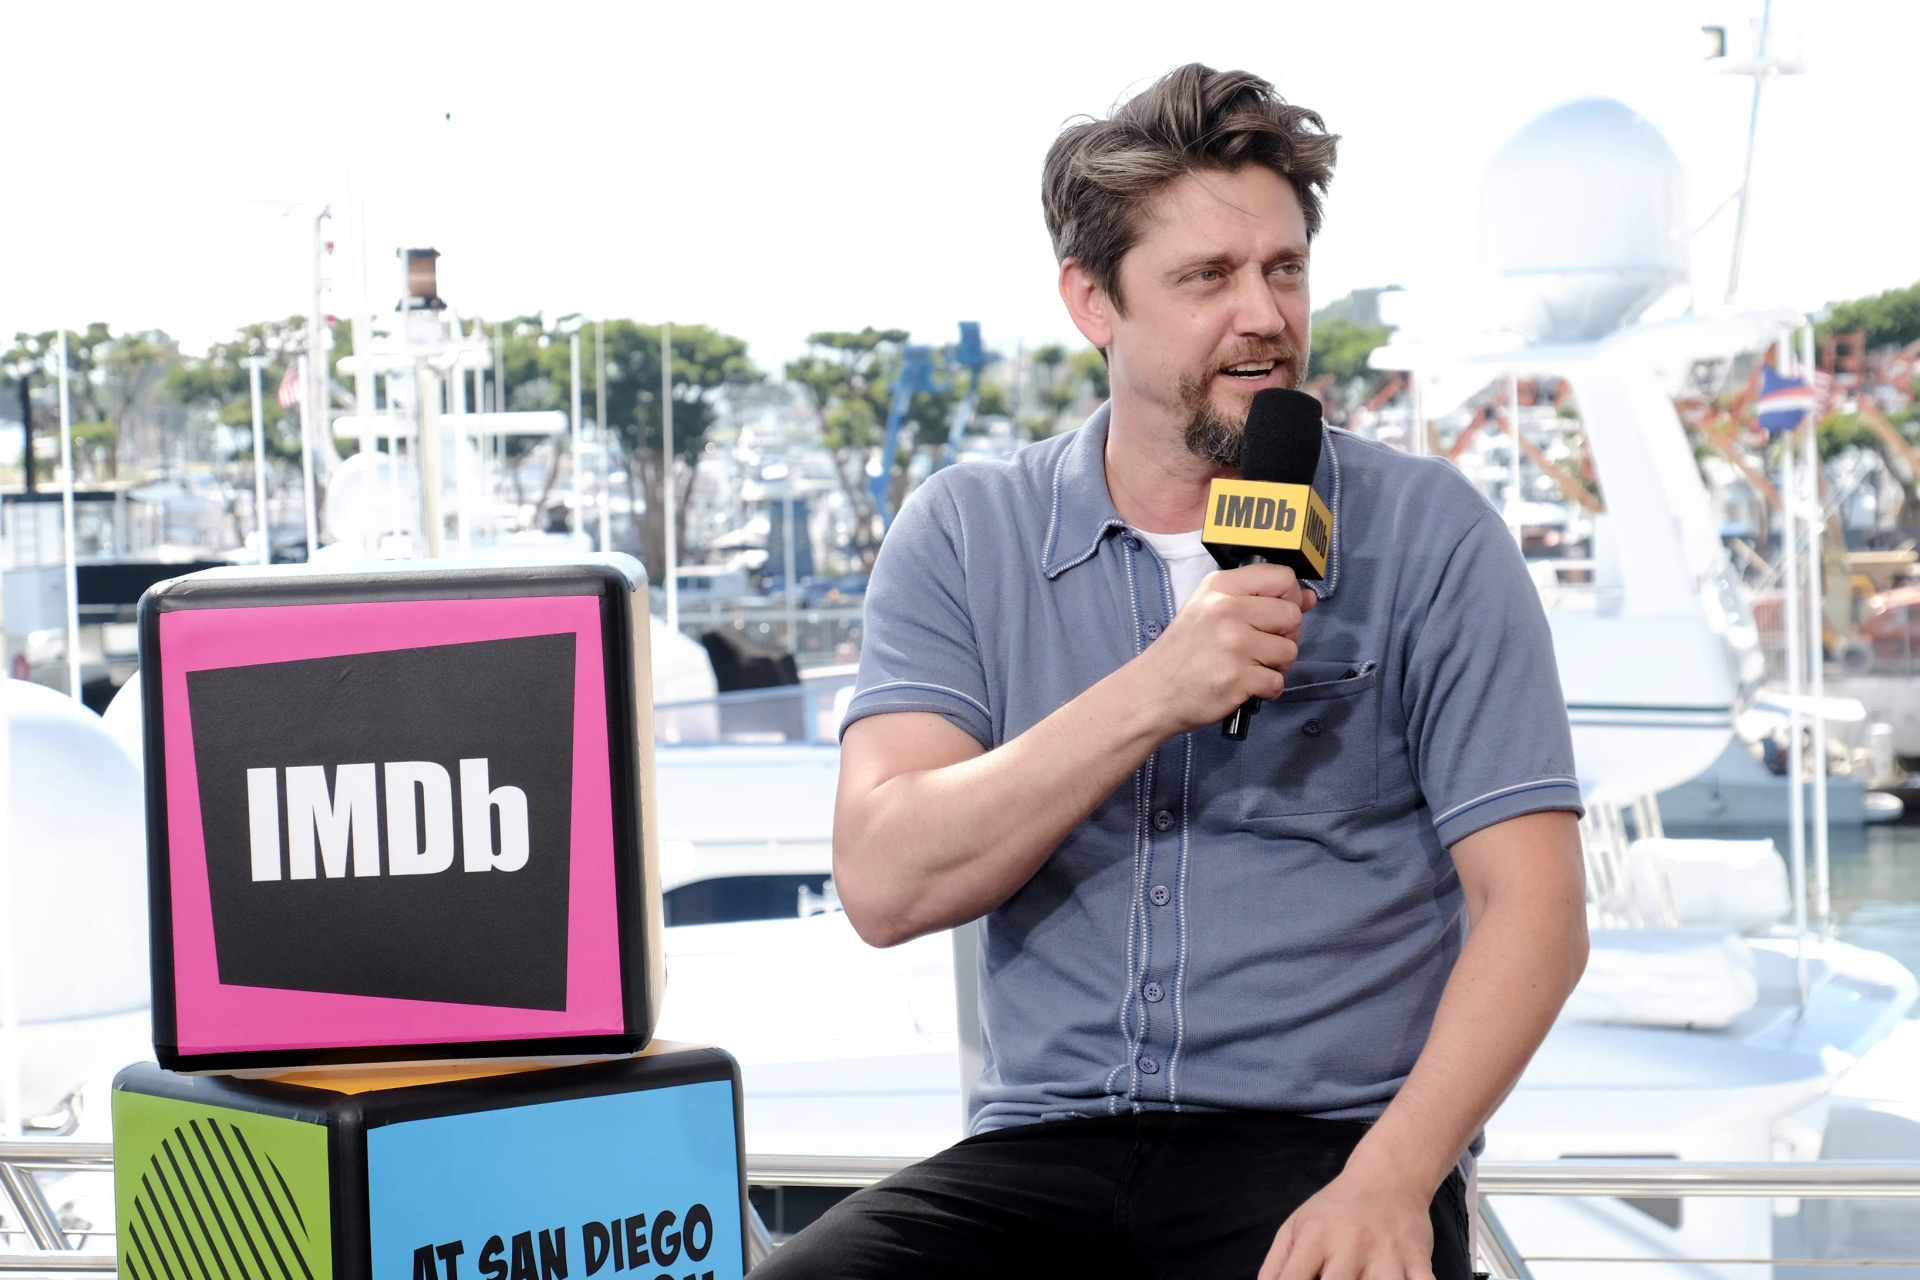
[(1315, 749)]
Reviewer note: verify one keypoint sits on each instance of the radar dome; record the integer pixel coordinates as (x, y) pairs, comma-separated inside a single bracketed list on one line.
[(366, 498), (1584, 213), (79, 850), (123, 722)]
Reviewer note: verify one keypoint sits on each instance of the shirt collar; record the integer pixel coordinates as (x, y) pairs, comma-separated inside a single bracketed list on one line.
[(1084, 515)]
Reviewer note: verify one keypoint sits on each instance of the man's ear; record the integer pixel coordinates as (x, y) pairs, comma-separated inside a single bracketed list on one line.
[(1087, 303)]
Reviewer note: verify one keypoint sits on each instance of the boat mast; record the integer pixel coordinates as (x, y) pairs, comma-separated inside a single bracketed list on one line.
[(604, 485), (253, 364), (1763, 66), (66, 520), (364, 393), (666, 471), (314, 385), (10, 1054), (576, 525), (1796, 803), (1816, 657)]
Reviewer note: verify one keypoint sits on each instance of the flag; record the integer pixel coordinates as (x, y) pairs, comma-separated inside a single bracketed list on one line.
[(290, 386), (1784, 402)]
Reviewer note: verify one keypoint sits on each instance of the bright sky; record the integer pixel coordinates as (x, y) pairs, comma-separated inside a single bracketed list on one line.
[(776, 169)]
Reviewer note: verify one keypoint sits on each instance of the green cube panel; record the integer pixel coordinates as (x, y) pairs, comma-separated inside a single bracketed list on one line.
[(632, 1166), (203, 1190)]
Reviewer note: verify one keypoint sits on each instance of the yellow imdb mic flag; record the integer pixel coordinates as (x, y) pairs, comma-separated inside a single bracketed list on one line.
[(1281, 523), (1271, 514)]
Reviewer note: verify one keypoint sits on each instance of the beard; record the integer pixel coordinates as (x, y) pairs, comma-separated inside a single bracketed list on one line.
[(1213, 432)]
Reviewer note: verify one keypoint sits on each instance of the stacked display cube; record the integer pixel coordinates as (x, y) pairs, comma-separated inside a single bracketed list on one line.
[(406, 816), (627, 1165)]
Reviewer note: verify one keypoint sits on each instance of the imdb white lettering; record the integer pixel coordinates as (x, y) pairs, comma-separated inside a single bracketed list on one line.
[(330, 831)]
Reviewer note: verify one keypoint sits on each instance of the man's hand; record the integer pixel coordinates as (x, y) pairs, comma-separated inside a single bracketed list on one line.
[(1355, 1228), (1234, 640), (930, 831), (1526, 946)]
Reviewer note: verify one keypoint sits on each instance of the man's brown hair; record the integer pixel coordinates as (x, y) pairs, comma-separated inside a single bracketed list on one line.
[(1100, 174)]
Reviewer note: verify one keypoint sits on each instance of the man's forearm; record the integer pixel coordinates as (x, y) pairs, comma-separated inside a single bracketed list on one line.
[(933, 848), (929, 832), (1521, 961)]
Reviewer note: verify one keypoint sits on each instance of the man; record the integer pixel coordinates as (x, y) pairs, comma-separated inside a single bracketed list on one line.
[(1235, 1024)]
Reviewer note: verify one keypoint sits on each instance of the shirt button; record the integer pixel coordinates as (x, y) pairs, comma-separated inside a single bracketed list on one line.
[(1154, 992), (1163, 820), (1149, 1067), (1312, 728), (1153, 630), (1133, 543), (1159, 896)]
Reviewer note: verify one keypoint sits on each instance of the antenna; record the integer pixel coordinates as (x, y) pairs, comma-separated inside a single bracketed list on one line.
[(1763, 66)]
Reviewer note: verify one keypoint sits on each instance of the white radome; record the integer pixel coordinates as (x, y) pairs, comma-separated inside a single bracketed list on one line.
[(124, 722), (78, 847), (364, 497), (1584, 213)]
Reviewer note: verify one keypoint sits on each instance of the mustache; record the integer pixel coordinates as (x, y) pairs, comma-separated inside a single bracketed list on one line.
[(1282, 351)]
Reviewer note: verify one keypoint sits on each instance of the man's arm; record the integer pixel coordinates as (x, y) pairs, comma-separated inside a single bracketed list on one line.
[(1526, 901), (930, 830)]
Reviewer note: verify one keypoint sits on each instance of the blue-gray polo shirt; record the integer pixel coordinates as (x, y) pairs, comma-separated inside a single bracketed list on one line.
[(1261, 924)]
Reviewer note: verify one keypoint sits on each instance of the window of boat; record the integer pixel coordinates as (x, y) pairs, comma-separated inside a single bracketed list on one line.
[(731, 899)]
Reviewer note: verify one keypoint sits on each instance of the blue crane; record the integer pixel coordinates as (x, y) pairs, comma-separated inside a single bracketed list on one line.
[(973, 357), (915, 376)]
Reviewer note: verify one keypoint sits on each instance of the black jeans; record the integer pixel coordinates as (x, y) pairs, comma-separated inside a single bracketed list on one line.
[(1160, 1194)]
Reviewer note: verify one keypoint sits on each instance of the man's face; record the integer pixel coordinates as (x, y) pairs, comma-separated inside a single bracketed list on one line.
[(1216, 304)]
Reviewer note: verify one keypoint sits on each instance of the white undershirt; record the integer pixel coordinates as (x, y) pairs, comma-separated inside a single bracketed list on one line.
[(1186, 559)]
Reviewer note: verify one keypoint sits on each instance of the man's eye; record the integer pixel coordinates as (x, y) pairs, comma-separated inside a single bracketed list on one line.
[(1205, 276)]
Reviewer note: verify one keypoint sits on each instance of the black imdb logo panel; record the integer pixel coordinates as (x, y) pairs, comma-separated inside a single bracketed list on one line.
[(392, 921)]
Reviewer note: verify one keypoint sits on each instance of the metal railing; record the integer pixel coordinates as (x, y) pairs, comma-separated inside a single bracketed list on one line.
[(1807, 1178), (1495, 1251), (55, 1253), (1810, 1179), (25, 1203)]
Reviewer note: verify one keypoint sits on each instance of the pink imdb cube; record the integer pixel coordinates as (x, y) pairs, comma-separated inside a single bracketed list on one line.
[(400, 814)]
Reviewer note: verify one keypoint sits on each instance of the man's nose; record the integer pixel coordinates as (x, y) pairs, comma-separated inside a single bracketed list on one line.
[(1256, 313)]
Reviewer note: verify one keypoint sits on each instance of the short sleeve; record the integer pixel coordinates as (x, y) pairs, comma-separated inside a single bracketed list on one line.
[(919, 651), (1486, 719)]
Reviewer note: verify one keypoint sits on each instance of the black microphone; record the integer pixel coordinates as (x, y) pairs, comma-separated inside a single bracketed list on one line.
[(1271, 514)]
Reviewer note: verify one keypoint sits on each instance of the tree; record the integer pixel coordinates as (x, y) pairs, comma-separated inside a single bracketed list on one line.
[(1341, 347), (31, 357), (851, 376), (704, 361), (114, 385), (134, 391), (1891, 319), (216, 386), (1063, 381), (1089, 365), (538, 366), (1053, 391), (1839, 432)]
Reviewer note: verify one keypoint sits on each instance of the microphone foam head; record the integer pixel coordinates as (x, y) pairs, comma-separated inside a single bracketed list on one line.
[(1281, 444)]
